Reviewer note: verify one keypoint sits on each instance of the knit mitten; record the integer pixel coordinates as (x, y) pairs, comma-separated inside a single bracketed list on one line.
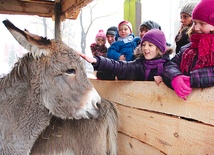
[(181, 85)]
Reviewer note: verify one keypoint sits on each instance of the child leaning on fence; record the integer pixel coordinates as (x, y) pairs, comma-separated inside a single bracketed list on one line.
[(193, 66), (149, 67)]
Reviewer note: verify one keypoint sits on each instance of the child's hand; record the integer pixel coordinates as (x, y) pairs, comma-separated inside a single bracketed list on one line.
[(87, 58), (158, 80), (122, 57), (181, 85)]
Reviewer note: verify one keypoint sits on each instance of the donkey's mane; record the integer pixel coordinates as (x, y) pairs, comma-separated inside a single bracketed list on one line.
[(20, 72)]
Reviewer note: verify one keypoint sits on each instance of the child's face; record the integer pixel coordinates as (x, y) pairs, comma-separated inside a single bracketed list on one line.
[(186, 20), (124, 31), (142, 31), (100, 41), (150, 51), (202, 27)]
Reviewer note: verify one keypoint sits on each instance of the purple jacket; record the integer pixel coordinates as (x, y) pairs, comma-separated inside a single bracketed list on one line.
[(199, 78), (138, 70)]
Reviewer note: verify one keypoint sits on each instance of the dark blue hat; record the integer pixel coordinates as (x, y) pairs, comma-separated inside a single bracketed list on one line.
[(112, 30)]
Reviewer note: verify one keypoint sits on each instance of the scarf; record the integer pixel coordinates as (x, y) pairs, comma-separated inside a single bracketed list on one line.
[(126, 40), (153, 64), (201, 45)]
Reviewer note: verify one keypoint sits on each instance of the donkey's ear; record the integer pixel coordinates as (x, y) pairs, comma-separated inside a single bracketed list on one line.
[(35, 44)]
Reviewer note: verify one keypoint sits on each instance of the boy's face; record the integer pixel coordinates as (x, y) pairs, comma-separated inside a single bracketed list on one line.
[(202, 27), (150, 51), (110, 38), (124, 31), (100, 41)]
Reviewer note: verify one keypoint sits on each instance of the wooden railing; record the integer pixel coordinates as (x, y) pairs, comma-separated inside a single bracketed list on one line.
[(154, 121)]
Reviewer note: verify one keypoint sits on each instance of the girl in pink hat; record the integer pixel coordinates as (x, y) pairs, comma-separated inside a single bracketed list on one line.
[(99, 47), (193, 66)]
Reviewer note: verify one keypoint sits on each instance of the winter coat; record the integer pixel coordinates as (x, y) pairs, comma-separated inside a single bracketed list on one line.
[(98, 50), (124, 47), (199, 78), (139, 70), (182, 38)]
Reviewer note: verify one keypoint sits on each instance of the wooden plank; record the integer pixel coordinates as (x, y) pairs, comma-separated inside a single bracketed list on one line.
[(147, 95), (169, 134), (71, 8), (57, 12), (132, 146), (43, 9)]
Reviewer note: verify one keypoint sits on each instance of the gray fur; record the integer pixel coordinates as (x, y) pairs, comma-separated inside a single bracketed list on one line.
[(48, 88)]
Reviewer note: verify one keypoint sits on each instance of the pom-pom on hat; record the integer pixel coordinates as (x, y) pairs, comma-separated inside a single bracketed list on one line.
[(101, 34), (188, 8), (156, 37), (112, 30), (125, 22), (204, 11)]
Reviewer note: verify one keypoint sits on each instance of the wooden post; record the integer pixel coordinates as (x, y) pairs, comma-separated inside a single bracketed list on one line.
[(132, 13), (57, 13)]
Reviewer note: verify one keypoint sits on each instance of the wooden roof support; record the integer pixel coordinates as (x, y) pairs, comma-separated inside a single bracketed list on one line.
[(24, 7), (57, 15)]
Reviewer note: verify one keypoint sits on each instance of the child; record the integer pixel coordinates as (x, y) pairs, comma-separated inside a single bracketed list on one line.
[(193, 66), (147, 68), (123, 48), (145, 27), (182, 37), (110, 36), (99, 48)]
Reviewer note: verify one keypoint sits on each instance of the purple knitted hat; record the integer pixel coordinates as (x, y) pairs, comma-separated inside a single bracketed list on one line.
[(156, 37), (204, 11)]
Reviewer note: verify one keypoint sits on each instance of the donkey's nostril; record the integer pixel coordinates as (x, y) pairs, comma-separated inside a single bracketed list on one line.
[(98, 105)]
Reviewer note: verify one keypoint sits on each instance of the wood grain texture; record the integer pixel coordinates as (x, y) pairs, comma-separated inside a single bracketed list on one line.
[(148, 96), (153, 118)]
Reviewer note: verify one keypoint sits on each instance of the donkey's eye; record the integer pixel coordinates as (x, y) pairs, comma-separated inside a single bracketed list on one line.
[(71, 71)]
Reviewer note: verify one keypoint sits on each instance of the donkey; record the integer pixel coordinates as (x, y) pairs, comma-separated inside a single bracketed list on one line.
[(49, 106)]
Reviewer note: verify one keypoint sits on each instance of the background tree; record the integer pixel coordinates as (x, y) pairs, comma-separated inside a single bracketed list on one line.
[(85, 25)]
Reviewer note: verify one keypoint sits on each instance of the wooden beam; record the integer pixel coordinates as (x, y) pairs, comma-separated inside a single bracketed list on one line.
[(43, 9), (57, 12), (71, 8)]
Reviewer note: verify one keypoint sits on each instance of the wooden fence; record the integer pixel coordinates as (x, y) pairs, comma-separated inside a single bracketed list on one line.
[(154, 121)]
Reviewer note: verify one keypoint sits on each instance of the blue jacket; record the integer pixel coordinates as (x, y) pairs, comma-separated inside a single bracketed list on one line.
[(124, 47)]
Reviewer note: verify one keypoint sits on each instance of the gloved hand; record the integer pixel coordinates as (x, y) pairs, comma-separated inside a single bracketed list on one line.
[(181, 85)]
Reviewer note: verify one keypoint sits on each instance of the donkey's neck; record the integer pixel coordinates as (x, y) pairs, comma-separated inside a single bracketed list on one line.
[(21, 107)]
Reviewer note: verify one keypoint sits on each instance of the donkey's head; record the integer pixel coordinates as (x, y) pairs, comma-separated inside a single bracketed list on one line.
[(56, 75)]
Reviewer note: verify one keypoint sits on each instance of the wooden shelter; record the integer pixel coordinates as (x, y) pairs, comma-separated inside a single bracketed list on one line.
[(58, 10), (69, 9)]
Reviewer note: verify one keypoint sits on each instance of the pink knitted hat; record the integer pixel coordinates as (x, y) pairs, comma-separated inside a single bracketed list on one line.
[(204, 11), (101, 34), (125, 23)]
